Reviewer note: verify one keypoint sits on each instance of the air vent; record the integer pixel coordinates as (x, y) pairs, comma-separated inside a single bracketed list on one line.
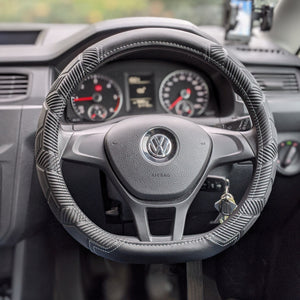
[(277, 82), (13, 85)]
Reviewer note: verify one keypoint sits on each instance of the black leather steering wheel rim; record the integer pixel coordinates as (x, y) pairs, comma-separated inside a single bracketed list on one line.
[(129, 249)]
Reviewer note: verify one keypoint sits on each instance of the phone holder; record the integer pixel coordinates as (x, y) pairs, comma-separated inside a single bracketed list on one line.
[(264, 14)]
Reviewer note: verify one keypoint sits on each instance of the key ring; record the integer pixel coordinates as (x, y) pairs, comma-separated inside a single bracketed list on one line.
[(227, 185)]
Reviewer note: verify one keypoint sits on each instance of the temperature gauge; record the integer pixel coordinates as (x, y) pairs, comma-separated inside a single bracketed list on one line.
[(97, 112)]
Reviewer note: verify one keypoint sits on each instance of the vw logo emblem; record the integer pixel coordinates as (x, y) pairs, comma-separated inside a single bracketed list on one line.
[(159, 146)]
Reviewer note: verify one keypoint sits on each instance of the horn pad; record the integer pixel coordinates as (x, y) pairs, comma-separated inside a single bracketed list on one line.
[(158, 157)]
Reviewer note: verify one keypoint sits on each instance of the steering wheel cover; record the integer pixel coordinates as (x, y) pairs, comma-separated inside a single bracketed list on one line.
[(130, 249)]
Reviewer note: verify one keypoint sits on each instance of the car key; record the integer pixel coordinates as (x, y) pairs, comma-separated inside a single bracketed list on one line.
[(225, 206)]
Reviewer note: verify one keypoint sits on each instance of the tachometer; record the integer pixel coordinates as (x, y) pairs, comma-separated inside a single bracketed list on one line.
[(97, 98), (184, 93)]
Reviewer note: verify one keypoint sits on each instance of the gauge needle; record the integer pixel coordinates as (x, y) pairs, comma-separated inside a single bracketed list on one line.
[(188, 91), (117, 106), (83, 99)]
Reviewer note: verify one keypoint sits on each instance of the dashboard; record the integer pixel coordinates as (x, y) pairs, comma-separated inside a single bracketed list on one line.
[(134, 87), (121, 89), (137, 85)]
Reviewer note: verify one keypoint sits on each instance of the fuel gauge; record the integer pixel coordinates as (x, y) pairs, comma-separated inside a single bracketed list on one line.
[(184, 108), (97, 112)]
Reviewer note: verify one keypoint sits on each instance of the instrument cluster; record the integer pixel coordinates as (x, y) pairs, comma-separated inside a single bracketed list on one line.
[(142, 87)]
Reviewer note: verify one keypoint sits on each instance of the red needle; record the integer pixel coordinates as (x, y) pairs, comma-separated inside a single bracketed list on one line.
[(83, 99), (175, 102), (178, 99), (117, 106)]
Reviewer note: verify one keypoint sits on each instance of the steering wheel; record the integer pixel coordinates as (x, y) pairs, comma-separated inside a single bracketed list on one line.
[(155, 161)]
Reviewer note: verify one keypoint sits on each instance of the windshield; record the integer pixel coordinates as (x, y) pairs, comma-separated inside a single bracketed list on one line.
[(208, 12)]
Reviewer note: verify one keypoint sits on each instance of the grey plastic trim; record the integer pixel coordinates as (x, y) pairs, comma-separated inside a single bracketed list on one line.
[(51, 50)]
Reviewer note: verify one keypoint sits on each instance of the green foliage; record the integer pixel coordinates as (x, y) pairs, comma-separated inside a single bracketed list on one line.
[(91, 11)]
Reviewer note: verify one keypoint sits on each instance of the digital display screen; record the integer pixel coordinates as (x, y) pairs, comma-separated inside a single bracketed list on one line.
[(242, 12), (141, 93)]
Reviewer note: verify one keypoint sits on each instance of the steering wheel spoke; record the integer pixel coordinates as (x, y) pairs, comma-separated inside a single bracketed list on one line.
[(230, 146), (85, 146), (179, 222), (140, 213), (141, 222)]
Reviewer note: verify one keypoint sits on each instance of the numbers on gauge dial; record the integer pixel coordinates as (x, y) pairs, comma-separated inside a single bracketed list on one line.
[(185, 93), (97, 98)]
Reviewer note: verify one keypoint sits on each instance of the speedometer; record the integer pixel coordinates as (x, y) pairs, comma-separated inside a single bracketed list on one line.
[(97, 98), (184, 93)]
